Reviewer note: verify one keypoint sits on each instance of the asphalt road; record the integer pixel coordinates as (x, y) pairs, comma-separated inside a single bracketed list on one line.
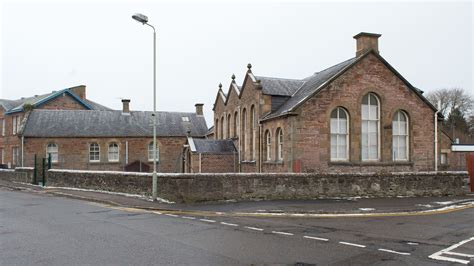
[(46, 230)]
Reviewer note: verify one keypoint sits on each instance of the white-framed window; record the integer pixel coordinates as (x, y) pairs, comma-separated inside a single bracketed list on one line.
[(443, 158), (150, 152), (268, 145), (18, 123), (185, 118), (15, 155), (14, 121), (400, 141), (113, 152), (370, 136), (94, 152), (279, 137), (2, 124), (339, 134), (52, 149)]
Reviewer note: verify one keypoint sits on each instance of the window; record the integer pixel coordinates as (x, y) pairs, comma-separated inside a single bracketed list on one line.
[(370, 127), (2, 156), (94, 152), (244, 134), (279, 144), (221, 129), (400, 136), (2, 125), (150, 152), (443, 158), (52, 149), (228, 126), (15, 155), (268, 145), (339, 135), (18, 123), (216, 129), (14, 125), (113, 152), (236, 130), (185, 118), (253, 122)]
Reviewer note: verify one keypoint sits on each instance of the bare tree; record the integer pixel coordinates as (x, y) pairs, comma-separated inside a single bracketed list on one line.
[(451, 99)]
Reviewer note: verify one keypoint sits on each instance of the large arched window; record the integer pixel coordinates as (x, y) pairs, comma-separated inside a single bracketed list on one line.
[(253, 122), (52, 149), (113, 153), (244, 134), (236, 121), (370, 136), (268, 145), (150, 152), (400, 142), (229, 120), (216, 129), (279, 136), (94, 152), (339, 135)]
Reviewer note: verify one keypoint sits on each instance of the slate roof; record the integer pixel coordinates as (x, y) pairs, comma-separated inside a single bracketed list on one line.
[(279, 86), (97, 123), (213, 146)]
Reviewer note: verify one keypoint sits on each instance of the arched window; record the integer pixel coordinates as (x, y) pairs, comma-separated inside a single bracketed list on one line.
[(279, 137), (268, 145), (339, 135), (244, 134), (253, 122), (94, 152), (229, 119), (370, 136), (236, 119), (216, 129), (113, 154), (52, 149), (150, 152), (400, 142), (221, 132)]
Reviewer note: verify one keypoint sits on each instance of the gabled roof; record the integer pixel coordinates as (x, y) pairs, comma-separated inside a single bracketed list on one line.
[(212, 146), (93, 123), (221, 95), (14, 106), (279, 86)]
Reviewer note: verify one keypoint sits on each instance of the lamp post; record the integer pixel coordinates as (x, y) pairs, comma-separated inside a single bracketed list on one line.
[(144, 20)]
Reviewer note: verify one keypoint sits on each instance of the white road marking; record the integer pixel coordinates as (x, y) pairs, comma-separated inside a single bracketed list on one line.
[(229, 224), (206, 220), (282, 233), (171, 215), (412, 243), (155, 212), (438, 255), (316, 238), (352, 244), (188, 217), (459, 254), (254, 228), (395, 252)]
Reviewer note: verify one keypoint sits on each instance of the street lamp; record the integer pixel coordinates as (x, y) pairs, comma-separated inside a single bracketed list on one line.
[(144, 20)]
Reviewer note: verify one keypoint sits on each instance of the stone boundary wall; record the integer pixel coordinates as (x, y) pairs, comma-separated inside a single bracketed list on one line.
[(214, 187), (23, 174)]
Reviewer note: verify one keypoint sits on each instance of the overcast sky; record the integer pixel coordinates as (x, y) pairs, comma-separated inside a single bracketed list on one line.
[(51, 45)]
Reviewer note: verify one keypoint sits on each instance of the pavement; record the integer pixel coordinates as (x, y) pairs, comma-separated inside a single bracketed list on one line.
[(355, 206)]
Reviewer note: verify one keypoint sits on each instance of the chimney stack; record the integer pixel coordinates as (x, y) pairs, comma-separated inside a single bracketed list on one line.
[(80, 91), (199, 110), (367, 41), (126, 106)]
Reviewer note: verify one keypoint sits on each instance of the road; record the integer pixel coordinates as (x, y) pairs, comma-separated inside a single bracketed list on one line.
[(47, 230)]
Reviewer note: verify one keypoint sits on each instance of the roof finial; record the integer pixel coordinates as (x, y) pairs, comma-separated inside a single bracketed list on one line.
[(233, 77), (249, 66), (220, 85)]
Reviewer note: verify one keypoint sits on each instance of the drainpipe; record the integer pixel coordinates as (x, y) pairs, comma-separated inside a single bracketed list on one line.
[(22, 150), (126, 152), (436, 136), (240, 139), (200, 162), (260, 148)]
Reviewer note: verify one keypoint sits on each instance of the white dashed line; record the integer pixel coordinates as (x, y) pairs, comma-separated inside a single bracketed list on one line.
[(229, 224), (188, 217), (316, 238), (352, 244), (282, 233), (393, 251), (155, 212), (171, 215), (412, 244), (254, 228), (206, 220)]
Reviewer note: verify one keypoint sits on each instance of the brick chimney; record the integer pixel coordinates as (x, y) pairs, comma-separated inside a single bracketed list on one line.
[(367, 41), (199, 110), (126, 106), (80, 91)]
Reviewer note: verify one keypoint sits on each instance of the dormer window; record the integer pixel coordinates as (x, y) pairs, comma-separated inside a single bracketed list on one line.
[(185, 118)]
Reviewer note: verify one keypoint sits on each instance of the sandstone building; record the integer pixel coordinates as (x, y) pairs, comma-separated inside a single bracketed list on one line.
[(360, 115)]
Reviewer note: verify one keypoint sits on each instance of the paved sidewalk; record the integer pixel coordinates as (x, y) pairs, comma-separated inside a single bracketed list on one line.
[(316, 206)]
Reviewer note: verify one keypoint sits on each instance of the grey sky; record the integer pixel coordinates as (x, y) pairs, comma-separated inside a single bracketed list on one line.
[(50, 45)]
